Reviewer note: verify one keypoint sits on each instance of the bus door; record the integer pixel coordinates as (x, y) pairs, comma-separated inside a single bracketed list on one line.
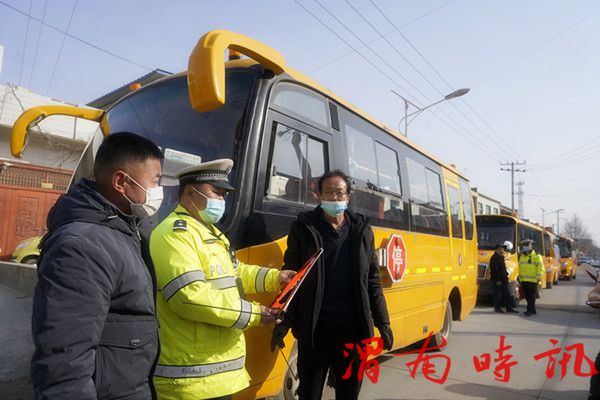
[(293, 157), (457, 241)]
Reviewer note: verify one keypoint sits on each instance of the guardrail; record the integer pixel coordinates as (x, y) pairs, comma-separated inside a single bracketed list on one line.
[(20, 277)]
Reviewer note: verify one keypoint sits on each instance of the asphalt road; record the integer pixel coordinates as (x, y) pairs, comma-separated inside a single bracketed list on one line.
[(562, 315)]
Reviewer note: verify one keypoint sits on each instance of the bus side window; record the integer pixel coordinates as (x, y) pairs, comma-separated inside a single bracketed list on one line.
[(375, 171), (467, 203), (455, 215), (426, 203), (297, 161)]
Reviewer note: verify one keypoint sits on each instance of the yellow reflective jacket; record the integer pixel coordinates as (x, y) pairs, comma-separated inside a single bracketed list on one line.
[(201, 313), (531, 267)]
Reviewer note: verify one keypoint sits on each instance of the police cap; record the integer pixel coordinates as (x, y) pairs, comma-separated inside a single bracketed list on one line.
[(214, 172)]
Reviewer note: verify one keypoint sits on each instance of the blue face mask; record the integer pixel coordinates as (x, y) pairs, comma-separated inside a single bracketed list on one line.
[(334, 208), (215, 208)]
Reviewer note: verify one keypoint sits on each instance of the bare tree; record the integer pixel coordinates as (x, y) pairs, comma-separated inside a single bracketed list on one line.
[(576, 229)]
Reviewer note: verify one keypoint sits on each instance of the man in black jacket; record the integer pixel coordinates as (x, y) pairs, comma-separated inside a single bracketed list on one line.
[(499, 278), (93, 323), (340, 298)]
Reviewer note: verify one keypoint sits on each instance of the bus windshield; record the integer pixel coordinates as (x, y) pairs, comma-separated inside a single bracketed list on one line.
[(162, 113), (565, 248), (493, 231)]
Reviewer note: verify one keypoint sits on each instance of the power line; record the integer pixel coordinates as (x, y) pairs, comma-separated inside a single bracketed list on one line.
[(512, 171), (25, 43), (37, 44), (538, 47), (435, 70), (573, 153), (475, 143), (374, 40), (77, 38), (61, 47)]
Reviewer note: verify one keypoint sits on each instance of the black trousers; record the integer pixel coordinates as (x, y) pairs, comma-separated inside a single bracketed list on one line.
[(502, 296), (595, 382), (328, 351), (530, 290)]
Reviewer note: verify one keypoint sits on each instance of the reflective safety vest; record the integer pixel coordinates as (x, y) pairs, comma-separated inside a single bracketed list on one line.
[(201, 312), (531, 267)]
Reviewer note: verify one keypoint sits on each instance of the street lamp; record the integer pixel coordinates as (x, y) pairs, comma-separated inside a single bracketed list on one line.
[(456, 93)]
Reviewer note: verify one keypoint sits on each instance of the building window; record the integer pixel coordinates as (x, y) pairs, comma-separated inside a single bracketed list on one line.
[(488, 209), (496, 211), (479, 208)]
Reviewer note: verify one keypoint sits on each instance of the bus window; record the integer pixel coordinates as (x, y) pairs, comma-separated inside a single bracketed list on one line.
[(375, 171), (455, 215), (547, 245), (492, 231), (387, 168), (303, 105), (162, 113), (298, 160), (467, 203), (427, 206)]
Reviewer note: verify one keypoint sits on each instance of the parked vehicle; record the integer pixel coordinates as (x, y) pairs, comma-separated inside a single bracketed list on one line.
[(27, 251)]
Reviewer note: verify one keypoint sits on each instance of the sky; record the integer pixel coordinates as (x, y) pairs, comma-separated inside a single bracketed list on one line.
[(531, 67)]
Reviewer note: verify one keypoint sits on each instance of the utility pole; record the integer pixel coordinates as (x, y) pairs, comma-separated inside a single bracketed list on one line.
[(543, 213), (512, 171), (520, 194), (557, 219)]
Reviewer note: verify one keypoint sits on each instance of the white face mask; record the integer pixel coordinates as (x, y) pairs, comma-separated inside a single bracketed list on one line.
[(154, 198)]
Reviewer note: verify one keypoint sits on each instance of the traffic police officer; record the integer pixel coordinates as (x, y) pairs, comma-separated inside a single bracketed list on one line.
[(531, 268), (201, 308)]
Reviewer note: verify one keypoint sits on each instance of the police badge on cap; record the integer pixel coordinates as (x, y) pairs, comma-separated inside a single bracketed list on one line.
[(214, 172)]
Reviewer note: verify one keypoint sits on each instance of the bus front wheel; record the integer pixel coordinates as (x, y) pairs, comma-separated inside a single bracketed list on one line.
[(436, 340)]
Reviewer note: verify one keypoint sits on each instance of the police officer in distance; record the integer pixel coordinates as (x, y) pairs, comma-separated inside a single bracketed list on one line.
[(531, 268), (201, 307), (499, 277)]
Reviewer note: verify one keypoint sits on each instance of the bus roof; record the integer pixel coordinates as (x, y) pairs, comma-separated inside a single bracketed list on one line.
[(510, 217)]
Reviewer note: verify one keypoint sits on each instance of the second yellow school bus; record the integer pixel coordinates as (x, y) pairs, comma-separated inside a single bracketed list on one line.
[(495, 229), (283, 131)]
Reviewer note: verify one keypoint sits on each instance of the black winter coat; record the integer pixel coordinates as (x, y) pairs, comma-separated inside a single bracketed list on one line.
[(498, 272), (93, 324), (303, 241)]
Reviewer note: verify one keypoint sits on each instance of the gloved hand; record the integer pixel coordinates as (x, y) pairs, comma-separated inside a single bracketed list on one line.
[(387, 335), (279, 332)]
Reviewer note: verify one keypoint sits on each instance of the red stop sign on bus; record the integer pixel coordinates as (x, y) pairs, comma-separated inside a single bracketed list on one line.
[(396, 257)]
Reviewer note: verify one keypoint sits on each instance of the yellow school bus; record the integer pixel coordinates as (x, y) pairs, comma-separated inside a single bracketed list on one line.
[(496, 229), (568, 262), (551, 259), (283, 131)]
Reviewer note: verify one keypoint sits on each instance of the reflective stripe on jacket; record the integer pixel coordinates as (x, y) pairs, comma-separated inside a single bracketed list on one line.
[(531, 267), (200, 310)]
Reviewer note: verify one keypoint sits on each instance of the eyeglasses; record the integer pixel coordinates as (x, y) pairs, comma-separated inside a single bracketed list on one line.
[(340, 194)]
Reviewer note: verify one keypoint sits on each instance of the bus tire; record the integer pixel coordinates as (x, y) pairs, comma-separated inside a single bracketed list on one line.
[(549, 284), (516, 294), (538, 292), (30, 260), (574, 276), (289, 390), (436, 339)]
